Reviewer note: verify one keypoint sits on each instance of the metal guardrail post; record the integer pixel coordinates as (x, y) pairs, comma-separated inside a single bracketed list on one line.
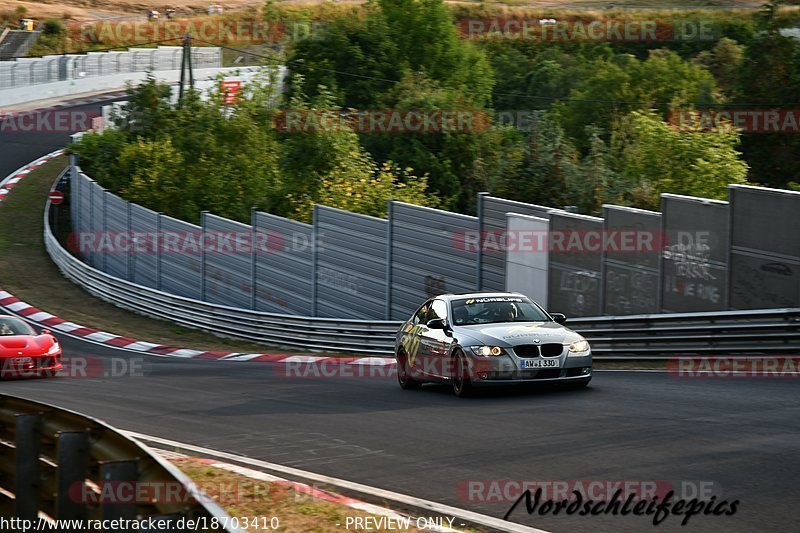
[(159, 251), (315, 240), (73, 464), (74, 192), (729, 285), (27, 478), (119, 471), (105, 229), (479, 256), (389, 241), (92, 220), (253, 258), (129, 227), (203, 256)]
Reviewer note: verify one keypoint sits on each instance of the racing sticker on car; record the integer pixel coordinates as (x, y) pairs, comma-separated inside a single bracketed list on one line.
[(410, 342), (472, 301)]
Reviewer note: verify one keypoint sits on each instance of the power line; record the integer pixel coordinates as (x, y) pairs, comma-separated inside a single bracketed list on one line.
[(282, 61)]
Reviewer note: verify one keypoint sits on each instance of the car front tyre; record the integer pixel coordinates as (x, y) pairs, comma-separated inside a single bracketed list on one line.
[(462, 384)]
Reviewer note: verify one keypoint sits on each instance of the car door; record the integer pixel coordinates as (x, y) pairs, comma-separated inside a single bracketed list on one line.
[(435, 343), (412, 339)]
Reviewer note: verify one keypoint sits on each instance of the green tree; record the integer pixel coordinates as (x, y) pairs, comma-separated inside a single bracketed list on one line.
[(550, 162), (330, 166), (156, 178), (597, 183), (770, 79), (653, 158), (428, 41), (724, 61), (664, 81), (366, 191), (352, 59), (98, 156)]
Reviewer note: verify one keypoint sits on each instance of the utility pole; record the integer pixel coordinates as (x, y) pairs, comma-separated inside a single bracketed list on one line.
[(186, 64)]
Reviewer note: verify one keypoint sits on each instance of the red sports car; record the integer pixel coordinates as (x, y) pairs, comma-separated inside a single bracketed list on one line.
[(24, 353)]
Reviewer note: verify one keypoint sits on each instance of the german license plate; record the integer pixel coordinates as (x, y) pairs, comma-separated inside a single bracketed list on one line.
[(541, 363)]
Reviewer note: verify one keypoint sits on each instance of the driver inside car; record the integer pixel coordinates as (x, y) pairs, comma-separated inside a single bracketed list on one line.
[(505, 312)]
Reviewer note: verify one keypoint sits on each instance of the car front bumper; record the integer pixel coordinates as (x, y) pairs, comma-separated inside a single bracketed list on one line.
[(485, 371), (29, 366)]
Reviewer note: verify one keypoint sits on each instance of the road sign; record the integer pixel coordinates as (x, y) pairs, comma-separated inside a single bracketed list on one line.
[(230, 91), (56, 197)]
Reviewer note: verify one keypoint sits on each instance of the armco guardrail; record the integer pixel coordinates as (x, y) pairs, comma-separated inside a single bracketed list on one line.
[(641, 336), (55, 462), (724, 332)]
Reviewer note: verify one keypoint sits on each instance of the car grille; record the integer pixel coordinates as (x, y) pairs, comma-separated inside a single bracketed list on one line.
[(527, 350), (552, 350), (532, 351)]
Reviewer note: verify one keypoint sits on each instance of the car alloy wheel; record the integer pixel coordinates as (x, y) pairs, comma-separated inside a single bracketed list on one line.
[(462, 384)]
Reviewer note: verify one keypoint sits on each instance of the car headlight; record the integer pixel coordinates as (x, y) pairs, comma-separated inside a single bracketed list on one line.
[(488, 351), (579, 347), (54, 349)]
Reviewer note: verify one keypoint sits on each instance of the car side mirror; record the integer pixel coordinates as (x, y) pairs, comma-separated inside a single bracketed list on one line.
[(436, 323), (46, 332), (559, 318)]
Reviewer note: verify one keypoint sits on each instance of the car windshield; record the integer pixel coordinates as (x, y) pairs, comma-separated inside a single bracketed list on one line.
[(14, 326), (492, 309)]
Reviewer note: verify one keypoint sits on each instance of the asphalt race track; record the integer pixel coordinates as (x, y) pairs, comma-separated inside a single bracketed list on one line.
[(742, 435), (18, 148)]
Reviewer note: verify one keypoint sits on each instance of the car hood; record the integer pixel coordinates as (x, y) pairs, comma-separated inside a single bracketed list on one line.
[(27, 344), (515, 333)]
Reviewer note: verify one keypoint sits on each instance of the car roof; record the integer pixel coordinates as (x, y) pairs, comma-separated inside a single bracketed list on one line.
[(486, 294)]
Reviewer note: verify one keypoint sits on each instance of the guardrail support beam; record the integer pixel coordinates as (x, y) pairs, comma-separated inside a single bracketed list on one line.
[(73, 465), (28, 476), (113, 473)]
